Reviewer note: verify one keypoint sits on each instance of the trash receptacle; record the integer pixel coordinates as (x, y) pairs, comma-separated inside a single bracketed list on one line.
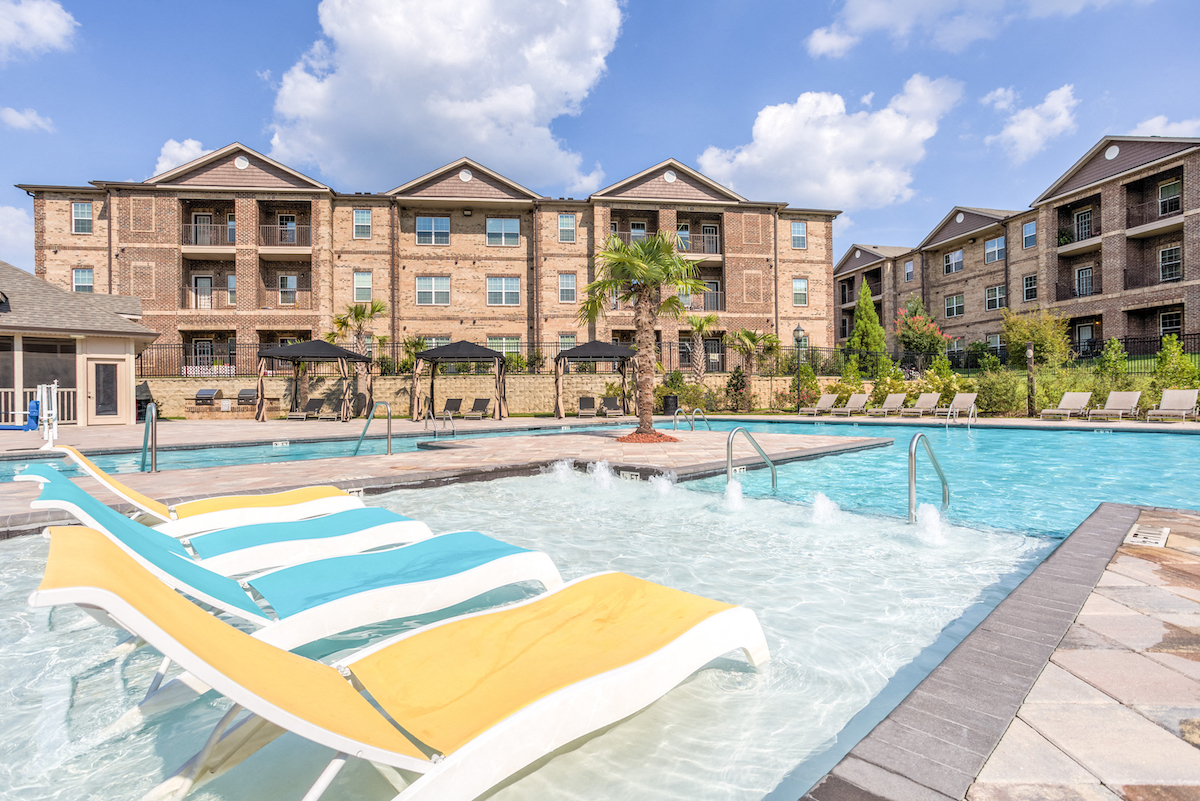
[(670, 404)]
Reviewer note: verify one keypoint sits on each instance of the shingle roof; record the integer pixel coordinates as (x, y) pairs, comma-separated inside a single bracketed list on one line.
[(34, 305), (124, 305), (888, 251), (994, 212)]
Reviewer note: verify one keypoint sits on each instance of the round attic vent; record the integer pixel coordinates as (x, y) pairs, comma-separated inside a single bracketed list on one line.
[(241, 162), (669, 176), (464, 175), (857, 253), (959, 218), (1112, 152)]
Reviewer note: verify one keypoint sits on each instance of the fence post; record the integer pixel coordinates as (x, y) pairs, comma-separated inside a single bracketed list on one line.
[(1031, 381)]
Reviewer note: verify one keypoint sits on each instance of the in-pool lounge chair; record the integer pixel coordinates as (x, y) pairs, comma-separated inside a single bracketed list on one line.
[(209, 514), (824, 404), (855, 403), (894, 402), (1072, 403), (964, 403), (1117, 406), (611, 406), (478, 409), (927, 403), (452, 406), (311, 409), (1176, 404), (465, 703), (587, 406)]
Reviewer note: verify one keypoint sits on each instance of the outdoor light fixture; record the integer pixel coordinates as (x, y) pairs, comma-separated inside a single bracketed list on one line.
[(798, 337), (466, 212)]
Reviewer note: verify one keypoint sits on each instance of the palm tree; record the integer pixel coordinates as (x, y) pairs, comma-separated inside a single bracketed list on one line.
[(638, 272), (355, 323), (752, 345), (702, 326)]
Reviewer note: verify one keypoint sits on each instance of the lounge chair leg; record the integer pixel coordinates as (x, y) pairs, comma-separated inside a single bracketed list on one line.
[(156, 682), (326, 778), (392, 776), (241, 742), (200, 763)]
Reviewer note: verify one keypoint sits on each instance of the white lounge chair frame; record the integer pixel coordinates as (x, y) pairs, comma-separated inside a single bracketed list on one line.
[(1111, 411), (855, 403), (894, 402), (824, 404), (1176, 404), (1071, 403), (927, 402), (962, 402)]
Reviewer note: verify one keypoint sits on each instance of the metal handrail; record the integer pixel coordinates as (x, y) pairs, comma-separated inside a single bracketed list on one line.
[(150, 438), (912, 476), (387, 406), (761, 452), (453, 428), (675, 419), (430, 416), (702, 414)]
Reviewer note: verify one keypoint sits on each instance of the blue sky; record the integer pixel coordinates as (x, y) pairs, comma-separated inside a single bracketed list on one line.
[(892, 110)]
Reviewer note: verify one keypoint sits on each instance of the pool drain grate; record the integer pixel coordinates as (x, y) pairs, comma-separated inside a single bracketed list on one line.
[(1152, 536)]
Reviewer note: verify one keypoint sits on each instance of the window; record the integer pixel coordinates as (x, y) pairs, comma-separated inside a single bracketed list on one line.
[(566, 341), (566, 287), (362, 287), (504, 231), (952, 262), (612, 228), (435, 342), (230, 229), (993, 342), (685, 235), (81, 218), (955, 345), (802, 343), (799, 291), (504, 292), (1083, 281), (81, 280), (908, 271), (954, 305), (637, 230), (1170, 264), (566, 228), (1029, 234), (1083, 225), (1168, 197), (995, 297), (433, 290), (231, 289), (505, 345), (1029, 283), (993, 250), (433, 230), (1170, 323), (362, 223), (845, 332), (287, 229), (287, 290), (799, 235)]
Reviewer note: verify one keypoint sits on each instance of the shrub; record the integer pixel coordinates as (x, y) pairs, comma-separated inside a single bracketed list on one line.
[(1173, 369), (916, 331), (737, 390), (536, 361), (1001, 392), (690, 396), (890, 380), (850, 383), (806, 390), (1045, 329), (514, 363), (941, 379)]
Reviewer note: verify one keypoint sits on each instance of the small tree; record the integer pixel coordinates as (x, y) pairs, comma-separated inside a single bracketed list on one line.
[(915, 329), (702, 326), (1173, 369), (868, 334), (1046, 330), (752, 345), (355, 323)]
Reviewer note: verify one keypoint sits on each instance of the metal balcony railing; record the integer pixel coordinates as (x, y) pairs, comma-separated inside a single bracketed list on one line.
[(208, 234), (207, 298), (704, 301), (285, 236), (1152, 211), (1078, 232), (700, 243)]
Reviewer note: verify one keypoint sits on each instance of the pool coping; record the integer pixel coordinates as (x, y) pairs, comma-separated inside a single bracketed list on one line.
[(933, 743)]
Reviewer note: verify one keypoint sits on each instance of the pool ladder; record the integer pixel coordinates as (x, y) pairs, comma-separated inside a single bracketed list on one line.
[(761, 452), (150, 438), (387, 407), (447, 422), (690, 418), (912, 475)]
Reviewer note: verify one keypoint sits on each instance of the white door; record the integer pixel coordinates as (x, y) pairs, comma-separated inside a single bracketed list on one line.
[(709, 234), (202, 286), (202, 225), (1083, 282), (287, 229)]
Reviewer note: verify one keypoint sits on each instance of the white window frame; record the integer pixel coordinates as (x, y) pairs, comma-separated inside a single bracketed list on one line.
[(802, 236), (563, 345), (802, 291), (1091, 228), (684, 231), (505, 344), (231, 289), (76, 284), (995, 297), (230, 229), (358, 225), (1029, 235), (503, 224), (77, 218), (955, 345), (435, 231), (1091, 280), (431, 290), (612, 227), (505, 293), (294, 289), (1177, 197), (995, 342), (645, 229), (1176, 330), (955, 304), (1026, 286), (370, 286), (908, 270), (993, 250), (1178, 263), (566, 234), (563, 289), (948, 263)]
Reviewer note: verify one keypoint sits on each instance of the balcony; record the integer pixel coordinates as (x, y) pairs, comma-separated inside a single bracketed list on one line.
[(704, 302), (284, 242), (704, 246), (1154, 218), (1082, 237), (202, 298), (1153, 274), (208, 241), (876, 289), (1081, 287)]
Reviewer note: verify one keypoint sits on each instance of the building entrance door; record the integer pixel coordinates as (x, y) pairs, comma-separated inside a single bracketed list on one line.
[(203, 287), (104, 401), (203, 228)]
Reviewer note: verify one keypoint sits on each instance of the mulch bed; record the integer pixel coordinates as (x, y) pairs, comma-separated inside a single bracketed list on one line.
[(644, 439)]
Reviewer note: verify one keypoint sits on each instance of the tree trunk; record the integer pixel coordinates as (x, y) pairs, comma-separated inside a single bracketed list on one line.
[(698, 357), (643, 324), (750, 371)]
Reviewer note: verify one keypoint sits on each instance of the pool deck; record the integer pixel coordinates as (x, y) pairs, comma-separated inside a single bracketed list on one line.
[(1082, 685)]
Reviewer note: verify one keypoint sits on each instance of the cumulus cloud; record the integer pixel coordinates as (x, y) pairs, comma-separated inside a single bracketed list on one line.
[(1029, 129), (1161, 126), (1000, 99), (16, 237), (396, 88), (812, 152), (25, 120), (867, 98), (28, 27), (175, 153)]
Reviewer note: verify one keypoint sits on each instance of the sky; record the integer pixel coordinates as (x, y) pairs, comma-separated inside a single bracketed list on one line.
[(893, 111)]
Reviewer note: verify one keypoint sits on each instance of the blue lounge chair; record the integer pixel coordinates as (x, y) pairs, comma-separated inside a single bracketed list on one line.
[(31, 419)]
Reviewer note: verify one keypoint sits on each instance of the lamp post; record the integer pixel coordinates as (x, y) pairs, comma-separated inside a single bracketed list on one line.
[(798, 337)]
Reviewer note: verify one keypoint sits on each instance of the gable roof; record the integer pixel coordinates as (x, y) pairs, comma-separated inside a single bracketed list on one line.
[(660, 169), (1132, 152), (230, 152), (466, 190), (39, 307), (974, 219), (868, 254)]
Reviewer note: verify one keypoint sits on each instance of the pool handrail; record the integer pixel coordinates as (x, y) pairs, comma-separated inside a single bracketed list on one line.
[(150, 438), (450, 418), (912, 475), (428, 417), (371, 416), (757, 447), (700, 411), (675, 419)]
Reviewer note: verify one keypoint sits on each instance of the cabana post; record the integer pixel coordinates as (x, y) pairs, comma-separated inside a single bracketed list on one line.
[(457, 353), (318, 350), (593, 351)]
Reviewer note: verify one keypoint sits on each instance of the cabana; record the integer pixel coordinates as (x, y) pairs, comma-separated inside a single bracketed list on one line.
[(457, 352), (593, 351), (318, 350)]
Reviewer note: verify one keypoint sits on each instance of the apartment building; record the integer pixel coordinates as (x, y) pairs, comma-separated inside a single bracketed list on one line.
[(875, 265), (235, 248)]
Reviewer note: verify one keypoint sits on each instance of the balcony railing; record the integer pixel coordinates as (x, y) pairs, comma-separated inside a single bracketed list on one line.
[(876, 288), (1142, 276), (1078, 232), (285, 236), (285, 299), (207, 298), (700, 243), (209, 234), (704, 301), (1153, 211), (1079, 288)]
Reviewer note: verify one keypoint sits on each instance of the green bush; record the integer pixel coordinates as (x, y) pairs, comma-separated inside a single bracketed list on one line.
[(690, 396), (536, 361), (1173, 369), (941, 379), (1046, 330), (737, 390), (850, 382), (890, 380), (1001, 392), (806, 390), (515, 363)]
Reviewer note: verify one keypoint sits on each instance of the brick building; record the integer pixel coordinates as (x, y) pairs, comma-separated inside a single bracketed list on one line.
[(237, 248)]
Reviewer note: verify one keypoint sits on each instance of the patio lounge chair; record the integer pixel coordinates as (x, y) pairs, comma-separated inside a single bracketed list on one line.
[(855, 403), (824, 404), (311, 409), (894, 402), (478, 409), (612, 406), (1176, 404), (926, 403), (208, 514), (587, 406), (1117, 406), (466, 702), (1072, 403), (31, 418), (452, 406), (963, 402)]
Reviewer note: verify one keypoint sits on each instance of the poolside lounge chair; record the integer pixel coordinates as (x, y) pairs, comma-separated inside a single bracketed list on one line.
[(894, 402), (311, 409), (612, 406), (587, 406), (1072, 403), (478, 409), (824, 404), (1117, 406), (1176, 404), (31, 418), (208, 514), (484, 694), (926, 403), (855, 403), (451, 407), (963, 402)]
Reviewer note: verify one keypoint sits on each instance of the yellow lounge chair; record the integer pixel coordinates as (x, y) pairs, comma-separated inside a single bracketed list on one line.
[(464, 703)]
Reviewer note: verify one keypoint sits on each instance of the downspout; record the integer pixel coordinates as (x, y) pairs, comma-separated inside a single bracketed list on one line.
[(108, 207), (535, 290), (395, 220), (775, 238), (1004, 228)]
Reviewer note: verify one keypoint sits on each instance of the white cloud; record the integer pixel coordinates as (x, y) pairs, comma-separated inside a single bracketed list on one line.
[(33, 26), (1029, 129), (831, 41), (16, 237), (1000, 99), (25, 120), (175, 153), (866, 99), (396, 88), (812, 152), (1161, 126)]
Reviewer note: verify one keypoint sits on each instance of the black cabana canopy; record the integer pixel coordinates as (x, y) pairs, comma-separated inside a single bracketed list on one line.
[(594, 351), (318, 350), (460, 351)]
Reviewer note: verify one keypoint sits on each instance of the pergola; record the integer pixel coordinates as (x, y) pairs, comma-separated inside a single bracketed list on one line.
[(318, 350), (593, 351), (458, 352)]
